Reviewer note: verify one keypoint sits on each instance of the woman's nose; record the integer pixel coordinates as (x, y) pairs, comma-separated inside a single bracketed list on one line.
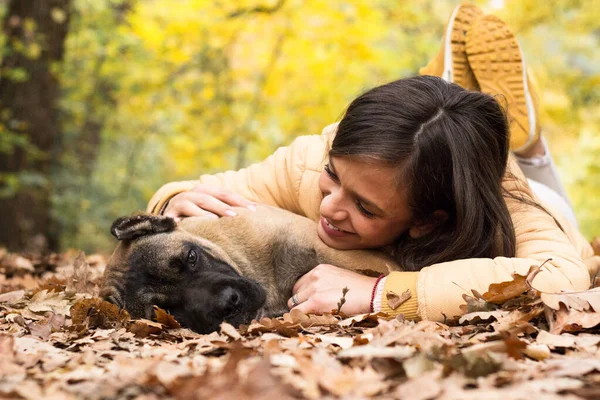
[(333, 206)]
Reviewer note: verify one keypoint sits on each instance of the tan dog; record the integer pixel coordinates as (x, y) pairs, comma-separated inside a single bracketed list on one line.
[(205, 271)]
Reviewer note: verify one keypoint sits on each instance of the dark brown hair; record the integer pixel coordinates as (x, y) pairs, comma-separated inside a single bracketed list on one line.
[(450, 146)]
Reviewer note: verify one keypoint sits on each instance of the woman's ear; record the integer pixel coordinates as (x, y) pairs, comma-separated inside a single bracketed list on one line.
[(423, 227)]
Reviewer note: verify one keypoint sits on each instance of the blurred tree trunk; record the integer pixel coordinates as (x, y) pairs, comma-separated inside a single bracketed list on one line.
[(88, 142), (35, 33)]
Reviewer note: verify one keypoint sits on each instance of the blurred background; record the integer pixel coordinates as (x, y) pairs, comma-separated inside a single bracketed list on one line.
[(103, 101)]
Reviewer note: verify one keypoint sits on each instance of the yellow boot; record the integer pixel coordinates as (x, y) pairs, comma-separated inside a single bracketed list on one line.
[(497, 62), (451, 62)]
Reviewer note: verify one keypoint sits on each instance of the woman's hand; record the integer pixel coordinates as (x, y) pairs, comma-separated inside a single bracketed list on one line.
[(206, 200), (320, 290)]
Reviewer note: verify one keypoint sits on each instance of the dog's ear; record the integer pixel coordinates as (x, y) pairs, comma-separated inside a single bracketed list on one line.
[(127, 228)]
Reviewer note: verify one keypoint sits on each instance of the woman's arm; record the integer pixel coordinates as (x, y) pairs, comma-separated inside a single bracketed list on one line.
[(275, 181), (436, 291)]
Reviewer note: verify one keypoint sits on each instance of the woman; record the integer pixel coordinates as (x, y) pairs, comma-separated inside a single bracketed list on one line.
[(419, 168)]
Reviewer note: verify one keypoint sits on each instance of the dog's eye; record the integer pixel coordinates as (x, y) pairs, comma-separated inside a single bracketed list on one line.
[(192, 257)]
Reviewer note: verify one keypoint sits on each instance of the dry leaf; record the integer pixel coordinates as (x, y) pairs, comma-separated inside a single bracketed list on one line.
[(165, 318), (12, 297), (571, 320), (97, 313), (45, 301), (229, 330), (537, 351), (365, 320), (143, 328), (498, 293), (44, 328), (564, 340), (514, 346), (368, 352), (80, 279), (517, 321), (580, 301), (475, 303), (482, 316), (99, 353), (395, 301), (13, 263)]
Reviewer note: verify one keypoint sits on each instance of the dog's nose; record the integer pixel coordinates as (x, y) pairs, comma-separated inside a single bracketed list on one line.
[(230, 299)]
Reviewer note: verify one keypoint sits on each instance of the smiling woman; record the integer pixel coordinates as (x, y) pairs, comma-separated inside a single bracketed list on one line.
[(436, 190), (419, 169)]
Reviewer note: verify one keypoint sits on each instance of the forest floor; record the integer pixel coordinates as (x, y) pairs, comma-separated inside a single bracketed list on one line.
[(59, 341)]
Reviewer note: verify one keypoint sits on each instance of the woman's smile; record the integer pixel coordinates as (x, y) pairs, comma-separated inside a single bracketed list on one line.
[(365, 202), (333, 230)]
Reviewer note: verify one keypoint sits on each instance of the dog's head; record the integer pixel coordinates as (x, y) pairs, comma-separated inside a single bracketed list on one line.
[(156, 263)]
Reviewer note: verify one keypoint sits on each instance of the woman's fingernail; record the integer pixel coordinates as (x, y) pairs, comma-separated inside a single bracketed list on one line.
[(251, 207), (231, 213)]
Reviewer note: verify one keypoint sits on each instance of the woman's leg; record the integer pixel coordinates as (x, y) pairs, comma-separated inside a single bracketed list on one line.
[(496, 66), (540, 167), (499, 67), (552, 198)]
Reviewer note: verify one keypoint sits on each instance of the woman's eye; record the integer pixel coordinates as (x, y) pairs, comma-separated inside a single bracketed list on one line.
[(364, 211), (192, 257), (330, 173)]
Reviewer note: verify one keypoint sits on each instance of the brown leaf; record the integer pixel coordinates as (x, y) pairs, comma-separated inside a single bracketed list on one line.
[(52, 284), (498, 293), (295, 316), (12, 297), (395, 301), (97, 313), (13, 263), (80, 279), (537, 351), (143, 328), (229, 330), (44, 328), (571, 320), (564, 340), (363, 320), (475, 303), (165, 318), (482, 316), (514, 345), (580, 301), (517, 321), (45, 301)]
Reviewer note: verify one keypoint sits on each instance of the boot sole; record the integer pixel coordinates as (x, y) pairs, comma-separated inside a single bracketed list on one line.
[(456, 64), (497, 62)]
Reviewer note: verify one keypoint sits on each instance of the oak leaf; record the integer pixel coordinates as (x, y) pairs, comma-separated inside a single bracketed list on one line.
[(571, 320), (97, 313), (165, 318), (499, 293), (580, 301)]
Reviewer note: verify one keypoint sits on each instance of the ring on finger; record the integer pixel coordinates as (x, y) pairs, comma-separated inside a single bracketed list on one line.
[(295, 300)]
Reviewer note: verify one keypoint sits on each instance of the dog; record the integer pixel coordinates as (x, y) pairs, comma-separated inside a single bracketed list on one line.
[(208, 270)]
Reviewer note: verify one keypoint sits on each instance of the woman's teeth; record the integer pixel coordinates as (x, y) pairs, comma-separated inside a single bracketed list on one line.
[(335, 228)]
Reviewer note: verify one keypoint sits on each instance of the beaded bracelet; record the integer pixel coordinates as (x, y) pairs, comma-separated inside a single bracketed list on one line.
[(374, 290)]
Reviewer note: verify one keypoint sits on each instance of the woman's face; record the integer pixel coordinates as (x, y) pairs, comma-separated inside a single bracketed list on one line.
[(363, 206)]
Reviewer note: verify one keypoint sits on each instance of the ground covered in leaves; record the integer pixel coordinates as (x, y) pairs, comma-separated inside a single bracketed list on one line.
[(58, 340)]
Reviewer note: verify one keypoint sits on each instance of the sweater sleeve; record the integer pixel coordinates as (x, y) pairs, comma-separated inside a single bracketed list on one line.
[(275, 181)]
